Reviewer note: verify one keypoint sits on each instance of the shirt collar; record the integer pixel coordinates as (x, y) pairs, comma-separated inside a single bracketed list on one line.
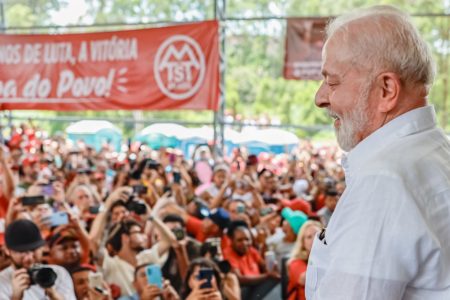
[(414, 121)]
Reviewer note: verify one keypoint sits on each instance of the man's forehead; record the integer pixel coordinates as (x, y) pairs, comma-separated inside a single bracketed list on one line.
[(334, 58)]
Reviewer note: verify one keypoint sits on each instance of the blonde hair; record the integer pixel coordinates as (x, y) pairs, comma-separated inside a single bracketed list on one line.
[(299, 251), (388, 40)]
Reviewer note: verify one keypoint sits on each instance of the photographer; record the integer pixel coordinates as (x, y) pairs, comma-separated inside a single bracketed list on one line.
[(24, 279)]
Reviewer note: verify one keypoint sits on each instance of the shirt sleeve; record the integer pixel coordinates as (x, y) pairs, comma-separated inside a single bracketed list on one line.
[(194, 227), (64, 284), (373, 245)]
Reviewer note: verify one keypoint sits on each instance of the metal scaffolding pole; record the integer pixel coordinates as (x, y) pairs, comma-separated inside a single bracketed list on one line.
[(219, 14)]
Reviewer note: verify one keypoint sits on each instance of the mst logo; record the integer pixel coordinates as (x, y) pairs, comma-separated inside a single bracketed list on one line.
[(179, 67)]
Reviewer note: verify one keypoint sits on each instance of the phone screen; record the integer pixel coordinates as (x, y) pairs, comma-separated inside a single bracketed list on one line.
[(59, 218), (206, 273), (32, 200), (154, 275), (176, 177), (95, 280), (47, 190)]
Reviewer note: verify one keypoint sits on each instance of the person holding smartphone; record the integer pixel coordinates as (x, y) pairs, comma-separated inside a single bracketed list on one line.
[(150, 285), (203, 281)]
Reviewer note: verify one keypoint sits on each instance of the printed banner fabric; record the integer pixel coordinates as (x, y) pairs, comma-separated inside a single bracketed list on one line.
[(174, 67), (304, 42)]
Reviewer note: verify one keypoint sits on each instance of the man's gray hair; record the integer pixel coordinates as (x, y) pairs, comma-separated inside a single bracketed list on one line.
[(386, 39)]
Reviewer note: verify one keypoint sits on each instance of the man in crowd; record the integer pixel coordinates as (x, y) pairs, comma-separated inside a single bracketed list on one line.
[(84, 290), (146, 291), (388, 237), (126, 240), (24, 246), (331, 199)]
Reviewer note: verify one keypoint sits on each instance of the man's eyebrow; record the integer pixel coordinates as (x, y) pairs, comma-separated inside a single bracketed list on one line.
[(326, 73)]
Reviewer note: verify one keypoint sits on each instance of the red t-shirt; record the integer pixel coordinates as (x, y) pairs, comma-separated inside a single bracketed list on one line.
[(194, 227), (247, 264), (295, 269)]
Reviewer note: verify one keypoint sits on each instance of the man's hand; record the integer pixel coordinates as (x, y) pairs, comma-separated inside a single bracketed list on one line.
[(274, 274), (20, 282), (169, 292), (53, 294), (2, 154), (122, 193), (150, 292)]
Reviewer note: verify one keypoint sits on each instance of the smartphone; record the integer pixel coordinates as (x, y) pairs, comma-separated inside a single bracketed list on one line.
[(270, 260), (240, 208), (85, 171), (47, 190), (94, 209), (154, 275), (140, 189), (32, 200), (176, 177), (206, 273), (265, 211), (95, 280), (59, 218)]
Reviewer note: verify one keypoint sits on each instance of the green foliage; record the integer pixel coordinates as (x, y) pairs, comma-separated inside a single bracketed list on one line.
[(254, 51)]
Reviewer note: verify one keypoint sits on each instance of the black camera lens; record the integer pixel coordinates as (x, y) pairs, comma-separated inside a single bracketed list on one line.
[(224, 266), (137, 206), (179, 233), (43, 276)]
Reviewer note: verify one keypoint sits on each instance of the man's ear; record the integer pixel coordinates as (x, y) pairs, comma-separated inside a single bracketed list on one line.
[(388, 87)]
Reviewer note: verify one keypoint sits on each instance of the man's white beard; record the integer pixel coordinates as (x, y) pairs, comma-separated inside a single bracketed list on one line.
[(357, 119)]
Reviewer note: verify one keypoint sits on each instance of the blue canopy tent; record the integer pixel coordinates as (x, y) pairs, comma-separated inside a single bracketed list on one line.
[(95, 133), (159, 135), (205, 135), (273, 140)]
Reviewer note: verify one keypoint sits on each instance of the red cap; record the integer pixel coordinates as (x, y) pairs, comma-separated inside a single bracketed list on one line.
[(297, 204), (30, 160)]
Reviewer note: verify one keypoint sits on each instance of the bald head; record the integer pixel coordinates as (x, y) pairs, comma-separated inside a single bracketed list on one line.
[(383, 39)]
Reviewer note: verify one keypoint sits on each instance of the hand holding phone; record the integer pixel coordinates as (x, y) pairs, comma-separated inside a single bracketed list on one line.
[(95, 280), (32, 200), (59, 218), (176, 177), (206, 273), (154, 275)]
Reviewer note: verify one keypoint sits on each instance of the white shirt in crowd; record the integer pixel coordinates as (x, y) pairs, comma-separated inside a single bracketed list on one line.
[(389, 235), (63, 285), (119, 272)]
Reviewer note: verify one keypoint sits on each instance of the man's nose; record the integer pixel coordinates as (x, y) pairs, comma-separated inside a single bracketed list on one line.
[(321, 99)]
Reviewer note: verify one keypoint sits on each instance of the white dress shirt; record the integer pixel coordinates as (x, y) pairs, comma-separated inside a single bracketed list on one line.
[(389, 237), (63, 285)]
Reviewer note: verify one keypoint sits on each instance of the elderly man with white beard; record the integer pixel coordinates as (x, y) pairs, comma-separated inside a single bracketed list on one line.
[(388, 237)]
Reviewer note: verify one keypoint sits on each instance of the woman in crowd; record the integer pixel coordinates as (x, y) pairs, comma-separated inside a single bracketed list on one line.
[(192, 289), (299, 260)]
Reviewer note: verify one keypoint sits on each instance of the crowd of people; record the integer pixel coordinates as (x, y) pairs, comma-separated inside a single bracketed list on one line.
[(76, 223)]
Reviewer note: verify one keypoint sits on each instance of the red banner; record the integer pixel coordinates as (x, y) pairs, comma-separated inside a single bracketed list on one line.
[(304, 42), (174, 67)]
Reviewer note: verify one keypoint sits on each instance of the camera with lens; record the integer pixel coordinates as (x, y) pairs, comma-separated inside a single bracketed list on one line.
[(179, 233), (42, 275), (213, 247), (136, 205)]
